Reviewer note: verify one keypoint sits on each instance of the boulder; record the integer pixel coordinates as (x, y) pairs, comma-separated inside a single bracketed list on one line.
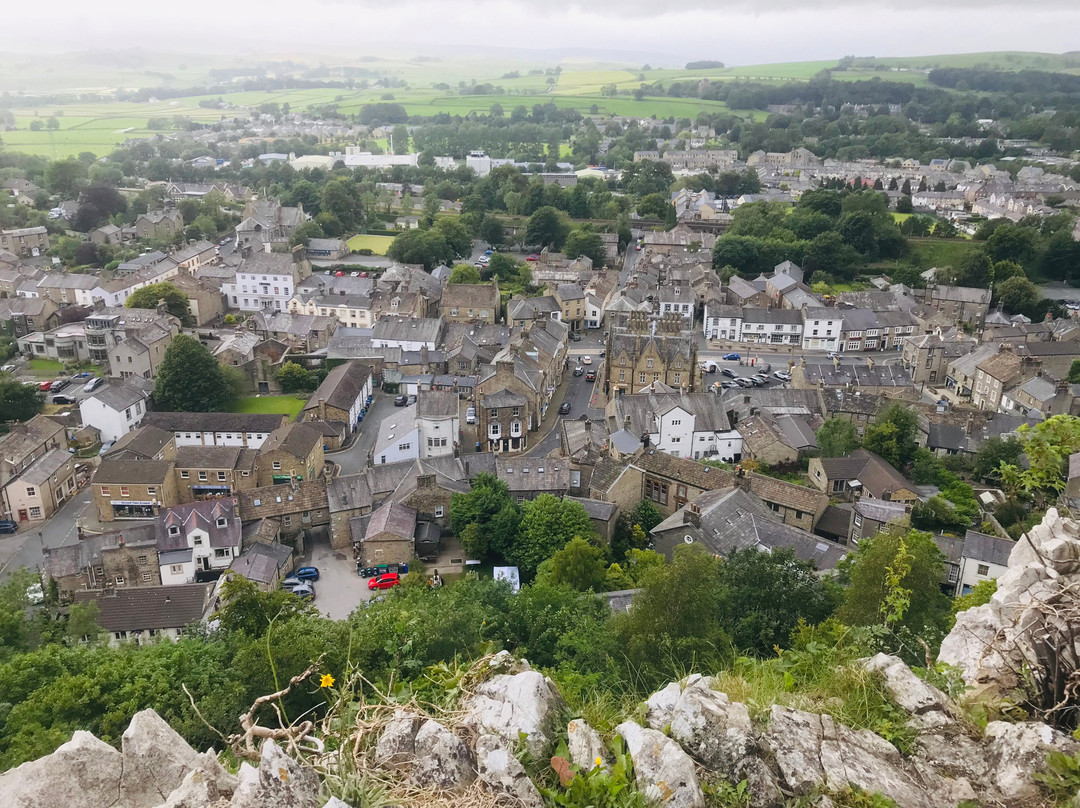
[(1015, 752), (794, 741), (82, 773), (716, 731), (279, 781), (503, 773), (397, 743), (156, 760), (906, 689), (586, 746), (198, 789), (661, 768), (970, 639), (441, 759), (507, 705)]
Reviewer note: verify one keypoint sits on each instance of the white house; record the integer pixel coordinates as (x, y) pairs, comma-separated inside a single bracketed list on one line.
[(722, 321), (264, 281), (772, 326), (688, 425), (438, 414), (821, 329), (594, 310), (675, 298), (117, 407), (983, 558), (407, 333), (199, 537), (217, 428), (398, 438)]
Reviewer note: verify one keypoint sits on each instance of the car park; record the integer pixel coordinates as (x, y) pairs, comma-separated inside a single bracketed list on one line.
[(401, 401), (782, 375), (307, 573), (590, 376), (8, 526), (586, 360), (564, 408), (731, 374), (385, 581), (470, 415), (579, 371), (732, 357)]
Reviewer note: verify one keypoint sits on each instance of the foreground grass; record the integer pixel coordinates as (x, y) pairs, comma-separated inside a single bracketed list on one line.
[(283, 405)]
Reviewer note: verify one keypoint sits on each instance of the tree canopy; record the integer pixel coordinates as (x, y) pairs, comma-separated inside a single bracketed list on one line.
[(175, 300), (837, 437), (189, 379)]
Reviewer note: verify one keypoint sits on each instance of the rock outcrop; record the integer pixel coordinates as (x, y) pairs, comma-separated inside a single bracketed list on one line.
[(508, 705), (503, 773), (1034, 611), (662, 769)]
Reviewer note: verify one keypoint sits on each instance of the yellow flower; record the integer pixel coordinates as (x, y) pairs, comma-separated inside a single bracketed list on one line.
[(599, 761), (326, 681)]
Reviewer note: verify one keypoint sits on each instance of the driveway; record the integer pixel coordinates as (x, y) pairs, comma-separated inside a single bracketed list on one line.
[(339, 589)]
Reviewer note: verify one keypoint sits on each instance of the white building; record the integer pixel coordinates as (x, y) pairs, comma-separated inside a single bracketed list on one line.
[(398, 438), (117, 407), (821, 329), (265, 281), (984, 558), (438, 414), (772, 326), (722, 321), (407, 333), (677, 299), (217, 428), (687, 425), (195, 538)]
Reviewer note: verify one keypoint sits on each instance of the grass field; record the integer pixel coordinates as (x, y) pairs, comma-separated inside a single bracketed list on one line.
[(45, 367), (932, 252), (377, 244), (284, 405)]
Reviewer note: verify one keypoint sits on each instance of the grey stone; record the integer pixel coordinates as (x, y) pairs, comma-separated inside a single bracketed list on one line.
[(82, 773), (908, 691), (156, 760), (441, 760), (1015, 752), (503, 773), (586, 746), (661, 768), (397, 743), (279, 781), (507, 705), (794, 741)]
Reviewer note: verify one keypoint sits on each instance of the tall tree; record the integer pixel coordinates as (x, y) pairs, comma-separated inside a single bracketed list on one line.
[(174, 299), (837, 437), (892, 435), (488, 513), (190, 379), (579, 565), (586, 241), (546, 228), (18, 401), (547, 524)]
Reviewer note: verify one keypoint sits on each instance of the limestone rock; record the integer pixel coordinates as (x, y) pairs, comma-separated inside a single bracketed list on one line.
[(503, 773), (969, 641), (506, 705), (908, 691), (716, 731), (156, 760), (279, 780), (397, 743), (585, 746), (1015, 752), (441, 759), (82, 773), (507, 663), (662, 769)]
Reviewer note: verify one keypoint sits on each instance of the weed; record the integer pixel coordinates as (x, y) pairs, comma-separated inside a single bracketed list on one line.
[(597, 788), (722, 794), (1062, 776)]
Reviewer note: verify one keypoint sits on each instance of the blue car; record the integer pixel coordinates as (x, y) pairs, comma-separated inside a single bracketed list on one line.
[(732, 357), (307, 573)]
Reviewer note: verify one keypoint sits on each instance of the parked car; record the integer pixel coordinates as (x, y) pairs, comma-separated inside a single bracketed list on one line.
[(489, 252), (412, 400), (782, 375), (731, 374), (590, 376), (603, 354), (732, 357), (470, 415), (401, 401), (709, 366), (586, 360), (386, 581), (291, 582), (564, 408), (59, 385), (305, 591), (93, 384), (835, 355), (728, 385), (533, 257), (307, 573), (574, 336), (7, 369), (744, 383), (45, 386), (8, 526), (63, 400), (579, 370)]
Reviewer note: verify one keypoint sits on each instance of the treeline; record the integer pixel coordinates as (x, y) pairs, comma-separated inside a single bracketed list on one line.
[(1000, 81)]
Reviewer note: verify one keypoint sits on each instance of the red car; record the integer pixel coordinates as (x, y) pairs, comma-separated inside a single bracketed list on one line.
[(387, 580), (46, 386), (533, 257)]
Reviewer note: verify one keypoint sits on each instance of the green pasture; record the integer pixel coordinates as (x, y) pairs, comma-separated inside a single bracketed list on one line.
[(276, 405), (377, 244)]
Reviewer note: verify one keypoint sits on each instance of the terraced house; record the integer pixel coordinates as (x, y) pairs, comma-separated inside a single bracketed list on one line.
[(638, 358)]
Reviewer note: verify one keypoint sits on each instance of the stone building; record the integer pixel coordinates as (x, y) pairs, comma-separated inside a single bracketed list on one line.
[(133, 489), (650, 351), (126, 557), (292, 451)]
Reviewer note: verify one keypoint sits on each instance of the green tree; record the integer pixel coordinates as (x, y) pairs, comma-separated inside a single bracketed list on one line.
[(903, 205), (1003, 270), (246, 608), (65, 177), (547, 524), (1011, 242), (174, 299), (306, 231), (341, 198), (837, 437), (491, 231), (892, 435), (295, 378), (455, 234), (489, 507), (979, 595), (896, 580), (585, 241), (1074, 372), (426, 247), (654, 205), (18, 401), (1047, 447), (632, 529), (465, 273), (189, 379), (1018, 295), (767, 594), (579, 565), (547, 228)]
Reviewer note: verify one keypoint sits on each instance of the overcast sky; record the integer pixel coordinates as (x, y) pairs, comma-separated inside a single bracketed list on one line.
[(734, 31)]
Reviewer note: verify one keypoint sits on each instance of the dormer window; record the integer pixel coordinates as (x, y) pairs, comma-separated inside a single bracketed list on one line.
[(222, 521), (174, 530)]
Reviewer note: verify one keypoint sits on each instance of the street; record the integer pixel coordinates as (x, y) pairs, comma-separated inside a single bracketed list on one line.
[(355, 459), (23, 549), (579, 393)]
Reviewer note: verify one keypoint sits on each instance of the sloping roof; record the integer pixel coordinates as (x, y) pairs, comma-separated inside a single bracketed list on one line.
[(134, 472), (341, 387), (502, 398), (45, 466), (991, 549), (294, 438), (141, 608), (877, 476), (686, 471), (61, 562), (946, 436), (392, 518), (202, 516), (601, 511), (261, 561), (437, 404), (538, 474), (470, 296), (790, 495), (215, 421), (879, 510), (834, 521)]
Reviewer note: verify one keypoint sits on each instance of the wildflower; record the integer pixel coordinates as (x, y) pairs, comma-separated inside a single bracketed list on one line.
[(326, 681), (599, 761)]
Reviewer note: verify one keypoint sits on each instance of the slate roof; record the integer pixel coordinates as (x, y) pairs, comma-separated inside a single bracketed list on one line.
[(790, 495), (133, 472), (45, 467), (835, 520), (201, 516), (877, 476), (407, 329), (61, 562), (437, 404), (393, 518), (502, 398), (349, 492), (990, 549), (261, 561), (690, 472), (946, 436), (141, 608), (470, 296), (709, 414), (215, 421), (275, 500), (294, 438), (880, 375), (879, 510), (341, 387), (538, 474), (601, 511)]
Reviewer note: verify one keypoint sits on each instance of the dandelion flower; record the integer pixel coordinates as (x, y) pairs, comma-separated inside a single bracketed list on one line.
[(599, 761), (326, 681)]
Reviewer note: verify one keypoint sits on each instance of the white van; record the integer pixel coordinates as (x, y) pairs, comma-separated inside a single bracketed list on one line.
[(470, 415)]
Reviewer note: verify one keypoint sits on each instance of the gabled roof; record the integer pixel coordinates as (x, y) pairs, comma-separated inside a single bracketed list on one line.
[(141, 608), (877, 476), (261, 561), (394, 519), (991, 549), (203, 516), (133, 472), (690, 472), (341, 387), (294, 438)]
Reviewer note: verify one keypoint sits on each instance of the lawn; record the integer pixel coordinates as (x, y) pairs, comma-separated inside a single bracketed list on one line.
[(284, 405), (932, 252), (377, 244), (45, 367)]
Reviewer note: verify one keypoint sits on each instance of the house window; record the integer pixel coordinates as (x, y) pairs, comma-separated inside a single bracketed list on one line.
[(221, 476), (622, 375), (151, 491), (202, 476), (174, 530), (983, 569), (439, 510), (176, 569), (641, 379), (147, 577), (276, 465), (222, 552), (141, 561), (124, 491), (184, 475), (656, 491), (197, 541), (286, 520), (35, 512), (403, 447), (493, 413), (678, 378), (648, 363), (222, 522), (119, 580), (31, 491)]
